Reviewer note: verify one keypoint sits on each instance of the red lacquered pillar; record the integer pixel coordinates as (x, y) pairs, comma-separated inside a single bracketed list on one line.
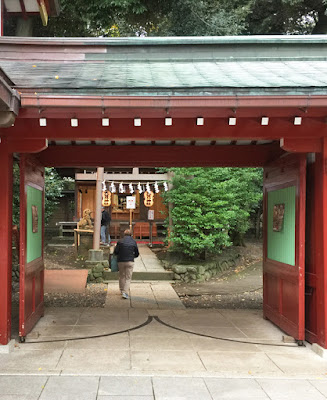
[(6, 182), (320, 224)]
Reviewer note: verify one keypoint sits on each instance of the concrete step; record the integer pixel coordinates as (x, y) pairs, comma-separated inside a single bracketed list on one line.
[(142, 276), (62, 239), (53, 245)]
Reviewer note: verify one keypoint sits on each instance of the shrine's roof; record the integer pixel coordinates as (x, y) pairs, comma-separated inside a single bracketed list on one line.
[(167, 66)]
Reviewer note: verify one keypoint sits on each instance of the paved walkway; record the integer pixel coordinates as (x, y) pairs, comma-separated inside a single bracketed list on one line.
[(152, 348), (147, 261), (144, 295), (146, 267), (156, 361), (157, 388)]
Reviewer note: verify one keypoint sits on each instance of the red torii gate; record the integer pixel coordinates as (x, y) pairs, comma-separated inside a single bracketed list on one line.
[(61, 122)]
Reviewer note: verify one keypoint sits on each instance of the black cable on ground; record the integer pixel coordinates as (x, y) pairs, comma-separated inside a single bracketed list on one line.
[(147, 322), (219, 338)]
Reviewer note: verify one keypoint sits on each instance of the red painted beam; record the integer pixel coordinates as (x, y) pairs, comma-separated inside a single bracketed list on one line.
[(60, 106), (159, 156), (27, 146), (40, 100), (154, 129), (296, 145), (160, 112), (6, 180)]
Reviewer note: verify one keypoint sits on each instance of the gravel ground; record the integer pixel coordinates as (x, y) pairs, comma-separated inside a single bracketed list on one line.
[(246, 300), (94, 296), (209, 296), (238, 288)]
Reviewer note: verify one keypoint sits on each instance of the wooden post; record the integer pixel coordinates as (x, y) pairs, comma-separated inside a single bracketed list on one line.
[(320, 243), (6, 178), (1, 16), (130, 219), (170, 207), (97, 216)]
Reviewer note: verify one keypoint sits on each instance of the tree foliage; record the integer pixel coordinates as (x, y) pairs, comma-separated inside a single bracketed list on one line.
[(211, 205), (287, 16), (54, 185), (183, 18)]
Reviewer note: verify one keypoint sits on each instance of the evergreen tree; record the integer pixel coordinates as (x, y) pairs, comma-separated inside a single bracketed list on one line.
[(211, 207)]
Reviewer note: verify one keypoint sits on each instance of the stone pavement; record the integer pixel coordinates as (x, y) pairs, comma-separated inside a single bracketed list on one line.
[(144, 295), (156, 361), (147, 267), (151, 348), (157, 388), (147, 261)]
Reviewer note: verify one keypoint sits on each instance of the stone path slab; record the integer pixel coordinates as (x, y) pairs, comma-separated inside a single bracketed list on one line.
[(146, 267), (180, 349), (157, 388), (144, 295), (147, 261)]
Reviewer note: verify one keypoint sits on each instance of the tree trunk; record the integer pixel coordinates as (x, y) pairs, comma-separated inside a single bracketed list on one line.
[(321, 25), (257, 224), (170, 208)]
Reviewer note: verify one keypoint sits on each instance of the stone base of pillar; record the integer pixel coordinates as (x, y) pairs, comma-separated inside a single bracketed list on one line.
[(7, 348), (95, 255), (96, 265), (319, 350)]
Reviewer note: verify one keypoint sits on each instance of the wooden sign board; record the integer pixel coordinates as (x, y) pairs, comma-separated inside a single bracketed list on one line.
[(150, 215), (130, 202)]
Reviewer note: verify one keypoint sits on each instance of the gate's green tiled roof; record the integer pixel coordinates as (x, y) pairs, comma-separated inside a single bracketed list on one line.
[(161, 66)]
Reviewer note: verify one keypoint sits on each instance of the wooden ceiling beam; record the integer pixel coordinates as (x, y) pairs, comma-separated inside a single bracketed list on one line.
[(159, 156)]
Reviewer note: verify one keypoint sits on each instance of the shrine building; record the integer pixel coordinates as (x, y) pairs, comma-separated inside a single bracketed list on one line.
[(169, 102)]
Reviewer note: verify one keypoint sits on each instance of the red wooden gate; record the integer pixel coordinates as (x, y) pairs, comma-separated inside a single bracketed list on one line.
[(31, 305), (284, 244)]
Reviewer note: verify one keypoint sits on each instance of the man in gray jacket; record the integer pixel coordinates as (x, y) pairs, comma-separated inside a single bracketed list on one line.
[(126, 250)]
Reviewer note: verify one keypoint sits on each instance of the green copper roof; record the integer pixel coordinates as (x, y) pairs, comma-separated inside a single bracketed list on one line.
[(158, 66)]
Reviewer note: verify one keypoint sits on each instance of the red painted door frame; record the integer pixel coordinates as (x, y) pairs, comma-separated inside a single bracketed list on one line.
[(31, 299), (283, 299), (6, 178), (316, 268)]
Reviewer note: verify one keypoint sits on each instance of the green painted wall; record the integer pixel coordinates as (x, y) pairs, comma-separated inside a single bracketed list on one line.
[(281, 245), (33, 240)]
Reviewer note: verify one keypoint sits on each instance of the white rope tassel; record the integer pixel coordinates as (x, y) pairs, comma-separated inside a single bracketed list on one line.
[(104, 187), (156, 187), (131, 189), (121, 188), (165, 186), (148, 188), (139, 188), (112, 188)]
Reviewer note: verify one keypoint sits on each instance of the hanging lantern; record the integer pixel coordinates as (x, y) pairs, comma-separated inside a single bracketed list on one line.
[(139, 188), (131, 189), (112, 188), (156, 187), (148, 199), (106, 198)]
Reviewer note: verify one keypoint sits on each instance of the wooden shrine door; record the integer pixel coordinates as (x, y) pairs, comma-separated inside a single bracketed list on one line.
[(31, 304), (284, 244)]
